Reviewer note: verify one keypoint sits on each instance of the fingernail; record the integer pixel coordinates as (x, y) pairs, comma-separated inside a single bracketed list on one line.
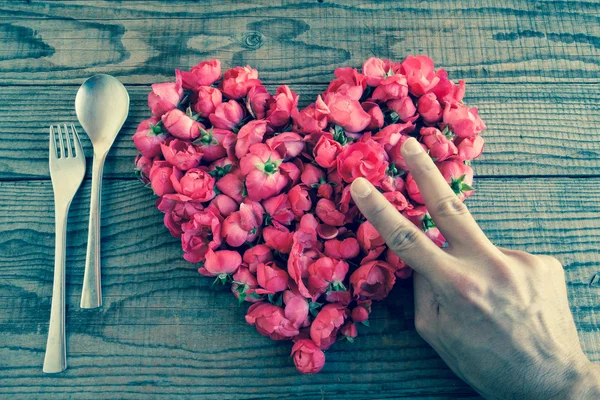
[(361, 188), (412, 147)]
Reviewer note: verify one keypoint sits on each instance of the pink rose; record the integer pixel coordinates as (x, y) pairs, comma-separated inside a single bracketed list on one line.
[(312, 175), (375, 69), (349, 82), (206, 100), (373, 280), (232, 185), (393, 135), (300, 201), (368, 237), (459, 176), (402, 270), (270, 321), (250, 134), (257, 101), (160, 178), (393, 183), (420, 75), (422, 220), (326, 151), (256, 255), (391, 88), (242, 226), (395, 154), (220, 262), (462, 121), (211, 142), (203, 74), (308, 357), (227, 115), (397, 199), (165, 96), (430, 109), (224, 204), (360, 314), (142, 168), (279, 209), (328, 213), (413, 189), (439, 146), (374, 111), (327, 274), (287, 144), (181, 154), (299, 260), (271, 278), (201, 233), (470, 147), (367, 160), (342, 249), (196, 184), (177, 212), (348, 330), (261, 168), (346, 112), (148, 137), (296, 309), (323, 330), (447, 91), (243, 284), (281, 106), (238, 81), (404, 107), (311, 119), (278, 238), (178, 124)]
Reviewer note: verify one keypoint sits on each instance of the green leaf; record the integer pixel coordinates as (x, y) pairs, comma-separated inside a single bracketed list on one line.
[(313, 308), (350, 339), (336, 286), (222, 279), (366, 323), (427, 222), (466, 187), (339, 135), (275, 299)]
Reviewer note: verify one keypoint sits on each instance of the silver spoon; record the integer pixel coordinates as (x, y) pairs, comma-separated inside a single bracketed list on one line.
[(102, 105)]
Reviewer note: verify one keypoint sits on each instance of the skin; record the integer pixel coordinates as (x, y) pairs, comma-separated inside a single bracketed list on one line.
[(499, 318)]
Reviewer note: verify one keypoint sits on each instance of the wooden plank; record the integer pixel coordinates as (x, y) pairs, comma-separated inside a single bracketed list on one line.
[(297, 41), (533, 129), (164, 331)]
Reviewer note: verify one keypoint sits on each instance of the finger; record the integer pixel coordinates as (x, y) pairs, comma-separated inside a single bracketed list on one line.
[(401, 235), (449, 213), (426, 308)]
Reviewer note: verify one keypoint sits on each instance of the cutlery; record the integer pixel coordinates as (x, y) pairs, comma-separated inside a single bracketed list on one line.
[(102, 105), (67, 168)]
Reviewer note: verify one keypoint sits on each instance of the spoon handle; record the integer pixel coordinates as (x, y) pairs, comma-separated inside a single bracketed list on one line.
[(91, 294)]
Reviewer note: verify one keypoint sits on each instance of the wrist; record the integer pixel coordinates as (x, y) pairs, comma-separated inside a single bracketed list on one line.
[(587, 383)]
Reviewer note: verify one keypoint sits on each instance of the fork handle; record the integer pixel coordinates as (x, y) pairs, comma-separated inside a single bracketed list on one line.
[(55, 359), (91, 294)]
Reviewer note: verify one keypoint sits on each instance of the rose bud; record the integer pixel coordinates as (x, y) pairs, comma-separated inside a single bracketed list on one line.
[(375, 69), (349, 331), (300, 201), (220, 262), (224, 204), (367, 160), (469, 148), (323, 330), (232, 185), (368, 237), (312, 175), (178, 124), (203, 74), (346, 112), (462, 121), (227, 115), (165, 96), (440, 147), (374, 111), (196, 184), (242, 226), (181, 154), (148, 137), (393, 183), (339, 297), (257, 255), (311, 119), (459, 176), (177, 212), (261, 167), (430, 109), (243, 284), (281, 106), (142, 168), (271, 278), (250, 134), (308, 357), (206, 101), (257, 101), (413, 190), (326, 151), (270, 321), (349, 82), (298, 262), (160, 177), (360, 314), (405, 108), (296, 309), (287, 144), (328, 213), (342, 249), (393, 134), (238, 81), (201, 233), (447, 91), (391, 88), (327, 274), (373, 280), (397, 199), (278, 238), (279, 209), (402, 270), (422, 220), (420, 75), (212, 143)]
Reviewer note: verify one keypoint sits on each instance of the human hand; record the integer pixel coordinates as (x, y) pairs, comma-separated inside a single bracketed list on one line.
[(499, 318)]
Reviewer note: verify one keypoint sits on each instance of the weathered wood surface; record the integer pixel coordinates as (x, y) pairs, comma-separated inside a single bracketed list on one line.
[(298, 41), (163, 330), (552, 129)]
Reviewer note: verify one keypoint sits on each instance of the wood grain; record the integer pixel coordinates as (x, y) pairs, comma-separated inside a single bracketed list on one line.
[(549, 128), (164, 331), (297, 41)]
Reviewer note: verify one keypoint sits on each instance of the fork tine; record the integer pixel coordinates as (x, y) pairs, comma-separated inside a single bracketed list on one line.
[(53, 143), (61, 144), (69, 149), (76, 143)]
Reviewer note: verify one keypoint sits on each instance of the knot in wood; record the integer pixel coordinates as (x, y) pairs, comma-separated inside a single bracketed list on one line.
[(253, 40)]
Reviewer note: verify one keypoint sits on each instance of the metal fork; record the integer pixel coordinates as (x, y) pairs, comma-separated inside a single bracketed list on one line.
[(67, 168)]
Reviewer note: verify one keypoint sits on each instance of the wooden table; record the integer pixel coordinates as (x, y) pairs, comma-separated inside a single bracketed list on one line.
[(532, 67)]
